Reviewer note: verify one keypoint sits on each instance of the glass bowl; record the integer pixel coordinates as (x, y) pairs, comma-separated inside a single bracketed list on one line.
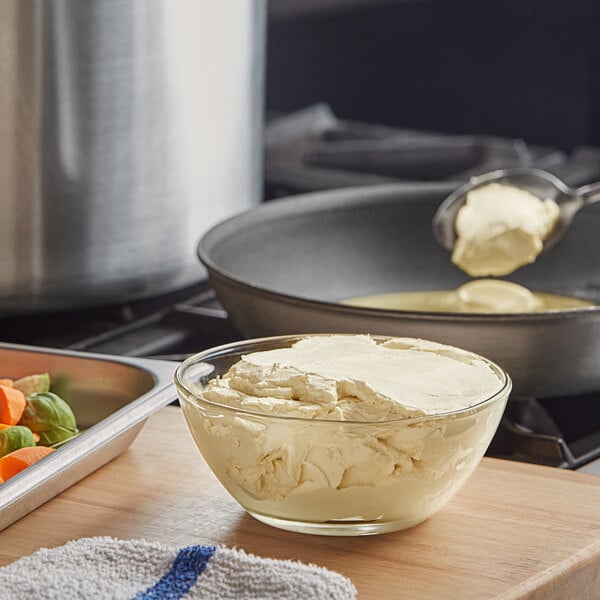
[(333, 477)]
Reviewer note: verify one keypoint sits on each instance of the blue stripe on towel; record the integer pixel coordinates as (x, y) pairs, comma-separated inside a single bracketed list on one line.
[(177, 582)]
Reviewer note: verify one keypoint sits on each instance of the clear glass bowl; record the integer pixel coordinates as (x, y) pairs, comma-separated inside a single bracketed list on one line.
[(333, 477)]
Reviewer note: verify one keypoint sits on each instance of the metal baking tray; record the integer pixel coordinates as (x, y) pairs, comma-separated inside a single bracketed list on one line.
[(111, 397)]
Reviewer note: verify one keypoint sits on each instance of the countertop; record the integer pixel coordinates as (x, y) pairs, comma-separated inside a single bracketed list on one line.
[(513, 531)]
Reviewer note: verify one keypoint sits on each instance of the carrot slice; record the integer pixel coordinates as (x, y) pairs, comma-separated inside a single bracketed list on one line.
[(5, 426), (6, 382), (16, 461), (12, 405)]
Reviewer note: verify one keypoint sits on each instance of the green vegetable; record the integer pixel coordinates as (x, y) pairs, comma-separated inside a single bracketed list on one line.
[(55, 436), (49, 416), (33, 384), (15, 437), (61, 442)]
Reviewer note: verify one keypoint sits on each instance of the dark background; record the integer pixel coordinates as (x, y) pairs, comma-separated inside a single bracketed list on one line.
[(514, 68)]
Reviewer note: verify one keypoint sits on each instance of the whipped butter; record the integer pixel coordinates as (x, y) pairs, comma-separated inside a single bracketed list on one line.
[(354, 378), (501, 228), (365, 429)]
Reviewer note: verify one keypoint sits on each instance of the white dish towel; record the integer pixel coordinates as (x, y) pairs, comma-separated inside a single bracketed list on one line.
[(107, 568)]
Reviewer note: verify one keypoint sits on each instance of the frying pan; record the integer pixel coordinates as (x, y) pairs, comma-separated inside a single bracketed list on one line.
[(284, 266)]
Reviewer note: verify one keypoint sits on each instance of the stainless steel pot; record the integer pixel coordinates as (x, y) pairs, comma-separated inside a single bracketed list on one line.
[(127, 128), (283, 268)]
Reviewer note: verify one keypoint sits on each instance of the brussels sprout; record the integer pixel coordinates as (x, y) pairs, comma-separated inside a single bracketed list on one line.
[(33, 384), (15, 437), (53, 437), (47, 412)]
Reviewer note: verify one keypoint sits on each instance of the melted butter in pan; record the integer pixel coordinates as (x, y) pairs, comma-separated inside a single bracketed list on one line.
[(478, 296)]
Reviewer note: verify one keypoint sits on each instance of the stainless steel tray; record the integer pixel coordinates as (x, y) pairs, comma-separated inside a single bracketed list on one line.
[(111, 398)]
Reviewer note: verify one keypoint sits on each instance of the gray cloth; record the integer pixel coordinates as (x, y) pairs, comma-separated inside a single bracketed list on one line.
[(103, 567)]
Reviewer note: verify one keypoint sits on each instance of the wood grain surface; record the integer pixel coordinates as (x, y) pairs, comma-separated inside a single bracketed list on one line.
[(513, 531)]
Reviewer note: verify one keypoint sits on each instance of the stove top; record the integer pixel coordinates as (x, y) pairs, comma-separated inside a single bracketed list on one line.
[(169, 327), (312, 150), (558, 432)]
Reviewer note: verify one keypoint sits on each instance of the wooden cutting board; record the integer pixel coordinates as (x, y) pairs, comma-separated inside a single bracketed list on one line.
[(513, 531)]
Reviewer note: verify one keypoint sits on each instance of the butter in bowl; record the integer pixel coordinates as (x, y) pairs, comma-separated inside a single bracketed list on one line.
[(341, 434)]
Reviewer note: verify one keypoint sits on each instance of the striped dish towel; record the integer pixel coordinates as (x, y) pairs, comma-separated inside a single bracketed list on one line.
[(107, 568)]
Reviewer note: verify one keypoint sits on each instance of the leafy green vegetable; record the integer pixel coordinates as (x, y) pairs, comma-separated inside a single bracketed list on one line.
[(15, 437), (33, 384), (55, 436), (49, 416), (59, 444)]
